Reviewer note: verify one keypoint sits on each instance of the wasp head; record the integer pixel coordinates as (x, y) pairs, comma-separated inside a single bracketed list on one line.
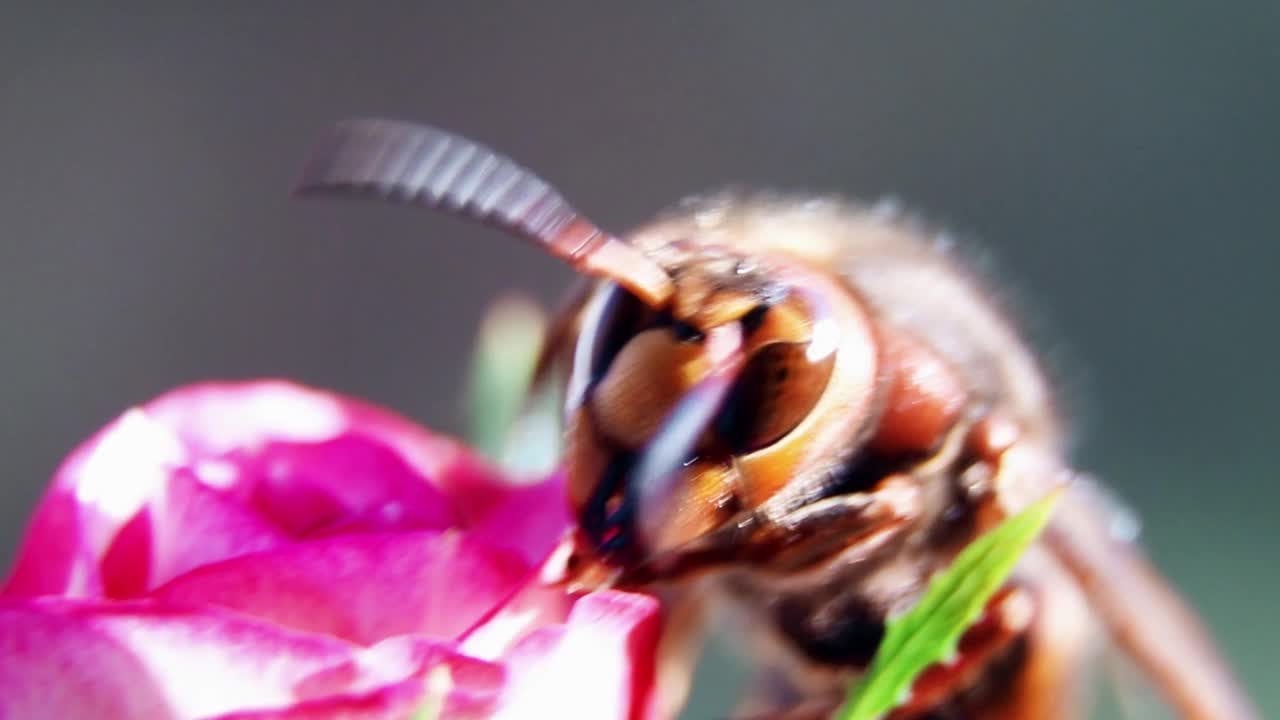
[(687, 418)]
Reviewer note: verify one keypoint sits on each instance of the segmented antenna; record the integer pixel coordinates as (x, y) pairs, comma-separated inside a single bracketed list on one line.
[(421, 165)]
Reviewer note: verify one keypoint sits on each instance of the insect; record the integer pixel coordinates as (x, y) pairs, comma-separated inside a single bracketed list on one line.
[(801, 409)]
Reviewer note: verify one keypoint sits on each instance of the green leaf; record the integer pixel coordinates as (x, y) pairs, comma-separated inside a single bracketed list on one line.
[(506, 351), (534, 443), (954, 600)]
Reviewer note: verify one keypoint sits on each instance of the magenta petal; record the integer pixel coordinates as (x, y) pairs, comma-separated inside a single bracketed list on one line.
[(535, 606), (55, 557), (529, 520), (457, 685), (308, 461), (349, 482), (139, 660), (395, 702), (188, 525), (216, 419), (99, 488), (53, 664), (599, 664), (362, 587)]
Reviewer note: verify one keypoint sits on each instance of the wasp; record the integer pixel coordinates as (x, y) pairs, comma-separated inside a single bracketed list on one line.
[(800, 409)]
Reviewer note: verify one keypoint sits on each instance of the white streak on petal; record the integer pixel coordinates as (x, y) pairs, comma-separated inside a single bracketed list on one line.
[(129, 467), (577, 677), (218, 474), (492, 640)]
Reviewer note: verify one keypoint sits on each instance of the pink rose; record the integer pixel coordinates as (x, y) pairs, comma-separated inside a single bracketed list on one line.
[(263, 550)]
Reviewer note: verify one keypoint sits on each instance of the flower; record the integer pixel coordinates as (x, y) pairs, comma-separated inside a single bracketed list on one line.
[(265, 550)]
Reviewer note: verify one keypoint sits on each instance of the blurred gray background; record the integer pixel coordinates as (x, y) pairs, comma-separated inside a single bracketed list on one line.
[(1120, 162)]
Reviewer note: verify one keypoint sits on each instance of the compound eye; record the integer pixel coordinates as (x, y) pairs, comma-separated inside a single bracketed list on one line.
[(644, 382), (613, 316), (778, 388)]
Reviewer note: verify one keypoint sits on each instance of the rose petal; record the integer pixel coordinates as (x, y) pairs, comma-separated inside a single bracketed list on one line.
[(215, 419), (307, 488), (599, 664), (187, 526), (139, 660), (535, 606), (55, 555), (450, 695), (364, 587), (396, 702), (309, 461), (529, 520), (318, 525), (99, 488)]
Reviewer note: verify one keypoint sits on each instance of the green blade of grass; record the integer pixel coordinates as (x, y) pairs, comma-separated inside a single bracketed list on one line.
[(955, 598), (506, 350)]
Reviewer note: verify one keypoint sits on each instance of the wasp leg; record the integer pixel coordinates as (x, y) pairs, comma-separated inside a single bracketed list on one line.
[(964, 686), (1144, 616), (1141, 612), (855, 521), (1007, 618), (1051, 678)]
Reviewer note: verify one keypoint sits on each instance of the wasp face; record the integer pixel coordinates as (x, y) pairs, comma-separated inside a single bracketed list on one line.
[(688, 420)]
